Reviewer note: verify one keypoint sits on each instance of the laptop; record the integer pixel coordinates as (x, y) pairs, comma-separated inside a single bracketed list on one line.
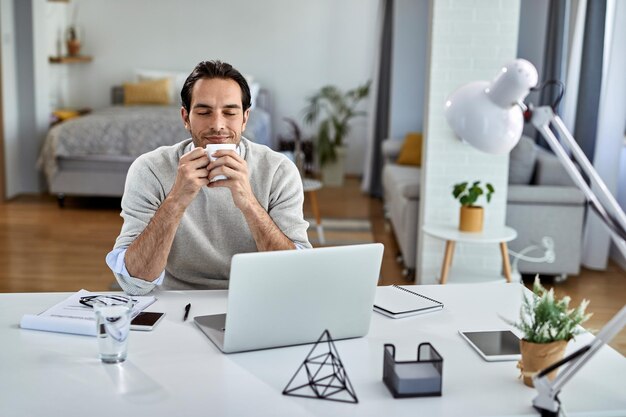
[(286, 298)]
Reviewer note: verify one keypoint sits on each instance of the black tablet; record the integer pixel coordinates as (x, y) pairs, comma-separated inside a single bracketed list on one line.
[(494, 345)]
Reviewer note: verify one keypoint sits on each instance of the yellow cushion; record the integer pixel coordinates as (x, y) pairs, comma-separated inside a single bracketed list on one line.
[(147, 92), (411, 152)]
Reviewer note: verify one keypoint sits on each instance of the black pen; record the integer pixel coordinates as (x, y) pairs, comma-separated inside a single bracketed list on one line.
[(187, 308)]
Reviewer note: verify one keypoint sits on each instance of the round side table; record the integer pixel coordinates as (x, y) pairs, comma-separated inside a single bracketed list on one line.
[(310, 187), (451, 234)]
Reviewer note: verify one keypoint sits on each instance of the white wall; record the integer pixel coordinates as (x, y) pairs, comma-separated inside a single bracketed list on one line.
[(408, 70), (291, 47), (10, 114), (469, 41)]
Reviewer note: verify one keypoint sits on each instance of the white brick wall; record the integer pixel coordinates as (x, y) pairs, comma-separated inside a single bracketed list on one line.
[(470, 40)]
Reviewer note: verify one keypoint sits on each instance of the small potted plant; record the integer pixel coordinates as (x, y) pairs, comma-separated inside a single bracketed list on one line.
[(548, 324), (73, 35), (471, 217), (333, 110)]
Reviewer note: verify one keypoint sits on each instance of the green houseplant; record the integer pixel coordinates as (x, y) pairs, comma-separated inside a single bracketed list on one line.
[(548, 324), (333, 110), (471, 215)]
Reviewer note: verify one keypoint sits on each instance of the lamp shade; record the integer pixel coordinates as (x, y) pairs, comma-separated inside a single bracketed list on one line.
[(486, 114)]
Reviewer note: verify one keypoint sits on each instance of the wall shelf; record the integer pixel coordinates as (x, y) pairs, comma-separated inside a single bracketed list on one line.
[(70, 59)]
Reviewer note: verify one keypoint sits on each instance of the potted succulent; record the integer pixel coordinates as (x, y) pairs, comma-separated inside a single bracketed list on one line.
[(333, 110), (471, 217), (73, 35), (548, 324)]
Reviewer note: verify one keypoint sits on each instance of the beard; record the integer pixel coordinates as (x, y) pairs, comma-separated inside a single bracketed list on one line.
[(201, 139)]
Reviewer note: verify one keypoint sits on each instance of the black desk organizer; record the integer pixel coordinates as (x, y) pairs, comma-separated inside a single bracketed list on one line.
[(421, 378), (322, 375)]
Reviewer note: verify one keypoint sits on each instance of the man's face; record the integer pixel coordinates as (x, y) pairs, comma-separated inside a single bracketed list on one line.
[(215, 114)]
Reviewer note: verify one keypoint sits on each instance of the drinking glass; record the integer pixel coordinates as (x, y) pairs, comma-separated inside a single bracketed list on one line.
[(112, 327)]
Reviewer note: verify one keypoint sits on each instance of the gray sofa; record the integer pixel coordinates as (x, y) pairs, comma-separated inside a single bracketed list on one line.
[(542, 201)]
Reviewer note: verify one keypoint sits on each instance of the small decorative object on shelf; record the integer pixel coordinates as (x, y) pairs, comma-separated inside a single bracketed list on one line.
[(421, 378), (548, 324), (471, 217), (73, 39), (322, 375), (74, 34)]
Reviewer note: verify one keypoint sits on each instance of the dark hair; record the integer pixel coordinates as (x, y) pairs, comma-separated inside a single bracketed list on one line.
[(215, 69)]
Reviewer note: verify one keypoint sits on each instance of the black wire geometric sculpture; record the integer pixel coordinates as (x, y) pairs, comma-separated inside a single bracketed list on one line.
[(322, 375)]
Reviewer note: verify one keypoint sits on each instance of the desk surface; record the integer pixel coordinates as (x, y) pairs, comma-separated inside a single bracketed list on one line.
[(176, 370)]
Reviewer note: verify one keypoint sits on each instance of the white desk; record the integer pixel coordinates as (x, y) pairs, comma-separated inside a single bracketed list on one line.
[(176, 371)]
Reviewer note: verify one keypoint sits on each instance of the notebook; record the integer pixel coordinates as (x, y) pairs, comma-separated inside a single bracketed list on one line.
[(290, 297), (70, 316), (398, 302)]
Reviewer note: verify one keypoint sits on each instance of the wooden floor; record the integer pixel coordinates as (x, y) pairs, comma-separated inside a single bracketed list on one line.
[(45, 249)]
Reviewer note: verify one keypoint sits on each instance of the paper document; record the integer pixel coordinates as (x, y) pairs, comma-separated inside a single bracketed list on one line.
[(398, 302), (70, 316)]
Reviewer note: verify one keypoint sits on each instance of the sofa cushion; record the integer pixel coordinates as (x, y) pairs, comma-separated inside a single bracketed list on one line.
[(550, 171), (522, 161), (405, 179), (411, 151)]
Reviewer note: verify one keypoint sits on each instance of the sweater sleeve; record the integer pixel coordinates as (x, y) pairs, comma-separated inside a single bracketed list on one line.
[(286, 204), (143, 195)]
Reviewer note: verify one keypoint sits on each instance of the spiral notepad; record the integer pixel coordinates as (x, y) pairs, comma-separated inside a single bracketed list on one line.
[(397, 302)]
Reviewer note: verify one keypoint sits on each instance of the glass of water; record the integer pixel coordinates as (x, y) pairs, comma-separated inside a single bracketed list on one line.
[(113, 327)]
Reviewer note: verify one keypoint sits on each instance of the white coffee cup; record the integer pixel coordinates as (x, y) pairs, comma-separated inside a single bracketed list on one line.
[(214, 147)]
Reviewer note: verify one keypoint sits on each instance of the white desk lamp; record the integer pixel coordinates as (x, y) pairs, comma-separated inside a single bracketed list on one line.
[(490, 117)]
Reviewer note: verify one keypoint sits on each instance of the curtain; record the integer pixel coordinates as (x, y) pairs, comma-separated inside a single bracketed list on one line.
[(381, 88), (590, 85), (555, 49)]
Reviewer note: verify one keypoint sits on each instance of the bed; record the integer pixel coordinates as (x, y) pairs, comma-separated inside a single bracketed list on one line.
[(90, 155)]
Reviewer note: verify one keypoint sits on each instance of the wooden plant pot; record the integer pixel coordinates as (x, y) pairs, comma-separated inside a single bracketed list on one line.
[(538, 356), (471, 219)]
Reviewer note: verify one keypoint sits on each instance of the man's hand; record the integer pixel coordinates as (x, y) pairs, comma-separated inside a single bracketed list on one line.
[(235, 169), (191, 176)]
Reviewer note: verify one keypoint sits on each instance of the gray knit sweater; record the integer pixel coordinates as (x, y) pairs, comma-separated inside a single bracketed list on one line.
[(212, 229)]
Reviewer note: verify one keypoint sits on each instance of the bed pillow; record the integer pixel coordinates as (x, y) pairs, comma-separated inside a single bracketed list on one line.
[(147, 92), (411, 151), (177, 80)]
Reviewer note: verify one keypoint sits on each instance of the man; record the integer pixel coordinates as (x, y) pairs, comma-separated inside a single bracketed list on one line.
[(180, 229)]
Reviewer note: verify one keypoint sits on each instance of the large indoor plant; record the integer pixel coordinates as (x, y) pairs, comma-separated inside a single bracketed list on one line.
[(548, 324), (333, 110), (471, 217)]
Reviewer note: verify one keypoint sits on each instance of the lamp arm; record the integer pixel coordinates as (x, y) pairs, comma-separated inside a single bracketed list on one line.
[(602, 201)]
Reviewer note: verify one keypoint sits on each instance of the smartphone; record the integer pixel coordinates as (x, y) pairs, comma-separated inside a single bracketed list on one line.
[(145, 321), (494, 345)]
